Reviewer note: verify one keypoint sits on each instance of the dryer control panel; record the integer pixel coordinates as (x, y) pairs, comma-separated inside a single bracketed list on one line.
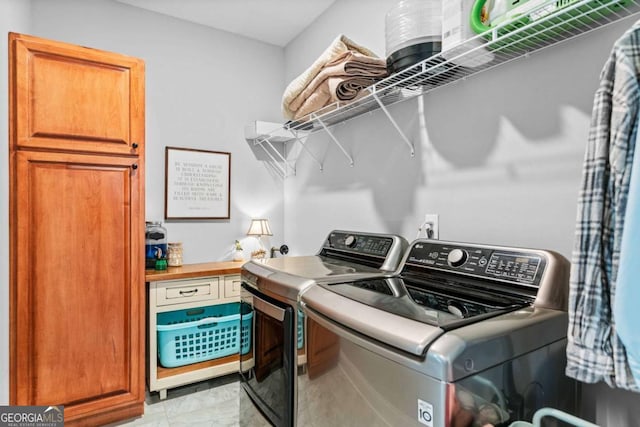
[(366, 244), (502, 263), (381, 251)]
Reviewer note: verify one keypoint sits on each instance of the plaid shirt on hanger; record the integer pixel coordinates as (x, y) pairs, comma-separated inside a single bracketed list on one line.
[(594, 351)]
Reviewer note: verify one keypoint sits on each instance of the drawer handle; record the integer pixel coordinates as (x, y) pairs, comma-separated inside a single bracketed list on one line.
[(188, 293)]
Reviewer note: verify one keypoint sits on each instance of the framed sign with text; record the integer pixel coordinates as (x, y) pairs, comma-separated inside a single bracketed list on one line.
[(197, 184)]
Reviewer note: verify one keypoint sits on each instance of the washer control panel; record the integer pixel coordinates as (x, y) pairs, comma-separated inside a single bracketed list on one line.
[(506, 264), (365, 244)]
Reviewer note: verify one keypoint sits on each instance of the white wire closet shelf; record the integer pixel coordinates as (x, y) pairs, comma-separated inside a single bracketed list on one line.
[(549, 23)]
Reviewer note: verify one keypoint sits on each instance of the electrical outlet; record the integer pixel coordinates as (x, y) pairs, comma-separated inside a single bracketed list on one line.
[(431, 222)]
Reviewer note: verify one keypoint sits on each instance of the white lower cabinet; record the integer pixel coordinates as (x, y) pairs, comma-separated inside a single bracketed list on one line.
[(187, 296)]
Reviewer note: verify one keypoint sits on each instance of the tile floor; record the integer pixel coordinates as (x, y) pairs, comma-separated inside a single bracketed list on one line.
[(212, 403)]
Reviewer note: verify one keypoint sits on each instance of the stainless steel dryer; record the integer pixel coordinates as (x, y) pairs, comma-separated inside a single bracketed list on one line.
[(465, 335), (271, 289)]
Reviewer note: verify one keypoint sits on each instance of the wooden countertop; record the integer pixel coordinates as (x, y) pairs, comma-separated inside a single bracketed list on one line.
[(187, 271)]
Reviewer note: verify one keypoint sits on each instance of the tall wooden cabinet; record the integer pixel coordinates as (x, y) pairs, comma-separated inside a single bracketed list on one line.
[(77, 230)]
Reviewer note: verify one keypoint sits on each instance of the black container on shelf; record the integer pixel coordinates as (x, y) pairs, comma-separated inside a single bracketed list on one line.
[(155, 246), (411, 55)]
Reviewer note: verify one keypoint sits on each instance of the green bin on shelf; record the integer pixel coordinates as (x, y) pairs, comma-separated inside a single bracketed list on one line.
[(553, 18)]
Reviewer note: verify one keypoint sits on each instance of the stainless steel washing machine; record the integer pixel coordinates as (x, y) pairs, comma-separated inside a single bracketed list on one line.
[(464, 335), (271, 290)]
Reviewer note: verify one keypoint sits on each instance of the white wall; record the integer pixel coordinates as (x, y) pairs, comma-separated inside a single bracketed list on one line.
[(14, 17), (498, 156), (202, 87)]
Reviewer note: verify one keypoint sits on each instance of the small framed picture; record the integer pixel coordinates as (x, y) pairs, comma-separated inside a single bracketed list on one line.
[(197, 184)]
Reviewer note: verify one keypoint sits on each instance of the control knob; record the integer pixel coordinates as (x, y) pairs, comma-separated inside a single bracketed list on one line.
[(457, 257), (350, 241)]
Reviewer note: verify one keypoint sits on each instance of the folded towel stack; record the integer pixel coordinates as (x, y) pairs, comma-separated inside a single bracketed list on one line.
[(340, 74)]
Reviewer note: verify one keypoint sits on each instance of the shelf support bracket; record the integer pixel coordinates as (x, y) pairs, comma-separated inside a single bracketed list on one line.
[(326, 129), (303, 144), (286, 164), (395, 124)]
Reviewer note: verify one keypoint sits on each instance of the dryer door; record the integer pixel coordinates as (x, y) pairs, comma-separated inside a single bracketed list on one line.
[(268, 380)]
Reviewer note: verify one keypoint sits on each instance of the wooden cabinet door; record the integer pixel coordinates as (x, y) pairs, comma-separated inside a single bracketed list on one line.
[(77, 230), (79, 291), (70, 97)]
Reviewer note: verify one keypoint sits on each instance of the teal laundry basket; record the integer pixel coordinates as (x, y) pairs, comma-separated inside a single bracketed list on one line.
[(204, 333)]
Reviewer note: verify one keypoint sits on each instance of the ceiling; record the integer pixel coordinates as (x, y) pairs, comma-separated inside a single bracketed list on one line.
[(272, 21)]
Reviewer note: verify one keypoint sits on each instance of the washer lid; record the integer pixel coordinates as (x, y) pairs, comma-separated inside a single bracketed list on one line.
[(397, 331), (313, 267), (289, 276), (444, 301)]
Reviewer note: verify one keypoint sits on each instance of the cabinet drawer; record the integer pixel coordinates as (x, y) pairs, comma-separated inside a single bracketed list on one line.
[(232, 286), (188, 291)]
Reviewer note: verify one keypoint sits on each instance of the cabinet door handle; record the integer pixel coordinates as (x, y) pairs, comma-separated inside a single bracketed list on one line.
[(191, 292), (134, 145), (134, 166)]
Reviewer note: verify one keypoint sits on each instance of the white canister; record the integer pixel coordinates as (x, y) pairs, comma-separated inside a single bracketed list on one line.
[(412, 32), (174, 254), (459, 43)]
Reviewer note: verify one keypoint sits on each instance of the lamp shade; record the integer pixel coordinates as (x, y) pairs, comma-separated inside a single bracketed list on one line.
[(259, 227)]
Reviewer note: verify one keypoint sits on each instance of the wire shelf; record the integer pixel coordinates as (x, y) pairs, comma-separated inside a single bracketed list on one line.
[(550, 23)]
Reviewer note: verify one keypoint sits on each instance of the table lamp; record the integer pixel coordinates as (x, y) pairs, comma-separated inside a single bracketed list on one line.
[(259, 227)]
